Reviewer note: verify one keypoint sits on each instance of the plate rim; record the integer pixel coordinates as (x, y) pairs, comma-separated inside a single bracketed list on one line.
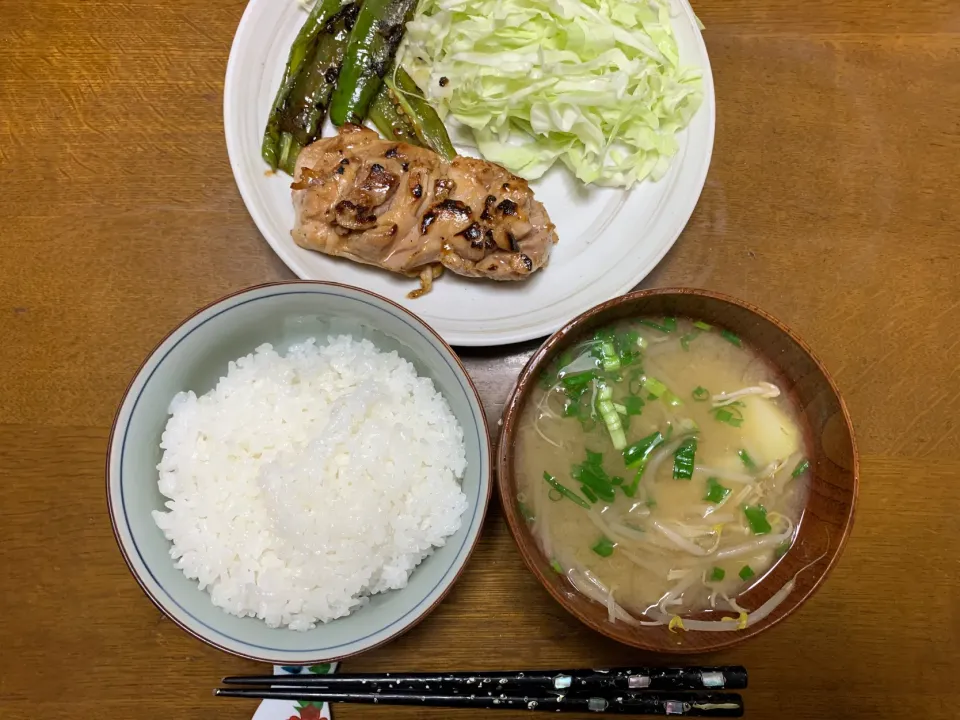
[(481, 338)]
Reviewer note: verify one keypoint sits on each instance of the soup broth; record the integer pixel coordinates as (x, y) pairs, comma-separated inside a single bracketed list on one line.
[(661, 468)]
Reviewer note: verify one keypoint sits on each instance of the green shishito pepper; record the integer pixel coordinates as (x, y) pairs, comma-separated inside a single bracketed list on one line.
[(390, 119), (300, 53), (301, 119), (400, 112), (370, 50)]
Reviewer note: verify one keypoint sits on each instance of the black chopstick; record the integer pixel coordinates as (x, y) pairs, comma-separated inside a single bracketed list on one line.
[(573, 682), (624, 703)]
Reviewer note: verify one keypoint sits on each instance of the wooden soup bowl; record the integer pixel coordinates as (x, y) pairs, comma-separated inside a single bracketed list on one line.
[(827, 516)]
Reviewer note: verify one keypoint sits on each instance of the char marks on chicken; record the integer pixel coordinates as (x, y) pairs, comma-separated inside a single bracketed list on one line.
[(405, 209)]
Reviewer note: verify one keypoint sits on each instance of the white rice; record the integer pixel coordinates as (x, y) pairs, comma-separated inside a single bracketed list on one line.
[(303, 484)]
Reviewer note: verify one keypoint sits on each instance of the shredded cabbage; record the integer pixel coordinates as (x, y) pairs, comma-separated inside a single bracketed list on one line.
[(596, 84)]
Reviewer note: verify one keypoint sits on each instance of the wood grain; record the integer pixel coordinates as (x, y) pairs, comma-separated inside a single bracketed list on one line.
[(831, 202)]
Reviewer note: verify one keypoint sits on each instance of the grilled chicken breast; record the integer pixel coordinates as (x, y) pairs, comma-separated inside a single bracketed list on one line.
[(405, 209)]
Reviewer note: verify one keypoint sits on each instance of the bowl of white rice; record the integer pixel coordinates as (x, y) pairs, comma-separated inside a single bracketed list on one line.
[(299, 472)]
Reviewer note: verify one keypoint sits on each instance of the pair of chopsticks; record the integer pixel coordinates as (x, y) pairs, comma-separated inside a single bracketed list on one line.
[(691, 691)]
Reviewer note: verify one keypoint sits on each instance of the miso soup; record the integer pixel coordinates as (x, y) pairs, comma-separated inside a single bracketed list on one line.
[(662, 468)]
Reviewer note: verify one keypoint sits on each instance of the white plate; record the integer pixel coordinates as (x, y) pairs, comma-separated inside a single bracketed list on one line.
[(609, 239)]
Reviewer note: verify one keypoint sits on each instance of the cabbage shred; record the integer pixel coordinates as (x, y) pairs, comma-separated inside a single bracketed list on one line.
[(595, 84)]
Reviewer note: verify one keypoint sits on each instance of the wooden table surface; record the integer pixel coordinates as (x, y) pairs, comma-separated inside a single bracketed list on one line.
[(831, 202)]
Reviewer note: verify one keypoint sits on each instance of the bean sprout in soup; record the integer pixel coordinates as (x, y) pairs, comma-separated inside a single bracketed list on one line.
[(662, 468)]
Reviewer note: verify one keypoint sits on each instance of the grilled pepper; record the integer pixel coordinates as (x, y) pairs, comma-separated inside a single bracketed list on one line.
[(423, 118), (300, 51), (390, 119), (373, 43), (301, 118)]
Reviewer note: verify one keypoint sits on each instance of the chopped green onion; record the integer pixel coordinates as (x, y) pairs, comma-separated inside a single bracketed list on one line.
[(633, 405), (555, 495), (701, 325), (635, 458), (626, 344), (654, 387), (747, 461), (669, 324), (525, 511), (620, 408), (603, 548), (801, 468), (592, 474), (610, 417), (609, 357), (565, 491), (642, 343), (577, 380), (731, 338), (616, 480), (726, 416), (671, 399), (685, 340), (588, 493), (577, 404), (757, 517), (746, 572), (640, 450), (684, 459), (716, 493), (781, 549), (606, 494), (556, 567), (600, 490), (717, 574), (701, 394)]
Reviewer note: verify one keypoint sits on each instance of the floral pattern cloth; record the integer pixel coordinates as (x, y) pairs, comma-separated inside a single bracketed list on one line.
[(290, 710)]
